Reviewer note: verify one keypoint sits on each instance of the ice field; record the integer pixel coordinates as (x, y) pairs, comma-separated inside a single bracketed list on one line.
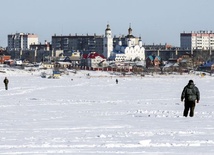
[(80, 114)]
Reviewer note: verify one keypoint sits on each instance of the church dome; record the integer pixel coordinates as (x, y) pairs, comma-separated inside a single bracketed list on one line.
[(130, 33), (130, 29), (108, 28)]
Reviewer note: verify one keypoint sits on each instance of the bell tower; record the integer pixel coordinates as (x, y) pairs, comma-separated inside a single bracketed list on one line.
[(107, 43)]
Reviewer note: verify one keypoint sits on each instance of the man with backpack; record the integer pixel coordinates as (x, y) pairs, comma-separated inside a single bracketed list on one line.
[(190, 95)]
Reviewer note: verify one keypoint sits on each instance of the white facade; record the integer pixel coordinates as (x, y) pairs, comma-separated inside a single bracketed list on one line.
[(132, 50), (197, 40), (95, 60), (20, 41), (129, 53)]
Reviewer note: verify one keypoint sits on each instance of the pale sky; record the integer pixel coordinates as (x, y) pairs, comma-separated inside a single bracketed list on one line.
[(156, 21)]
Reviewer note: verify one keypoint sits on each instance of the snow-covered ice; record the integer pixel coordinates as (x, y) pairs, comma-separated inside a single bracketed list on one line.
[(94, 115)]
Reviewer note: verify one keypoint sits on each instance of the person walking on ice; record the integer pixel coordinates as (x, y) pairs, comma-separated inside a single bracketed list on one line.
[(116, 81), (6, 81), (190, 95)]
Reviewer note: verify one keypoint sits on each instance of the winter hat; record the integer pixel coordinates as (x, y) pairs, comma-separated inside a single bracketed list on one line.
[(191, 82)]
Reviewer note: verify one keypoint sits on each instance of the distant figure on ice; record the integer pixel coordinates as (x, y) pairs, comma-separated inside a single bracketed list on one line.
[(116, 81), (190, 95), (6, 81)]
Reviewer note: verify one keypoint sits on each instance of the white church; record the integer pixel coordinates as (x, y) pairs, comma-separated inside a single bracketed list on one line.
[(130, 51)]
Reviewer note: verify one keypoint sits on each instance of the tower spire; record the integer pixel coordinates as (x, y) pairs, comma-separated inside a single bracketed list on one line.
[(130, 30)]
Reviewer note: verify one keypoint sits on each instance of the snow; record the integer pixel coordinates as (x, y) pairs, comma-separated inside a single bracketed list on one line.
[(80, 114)]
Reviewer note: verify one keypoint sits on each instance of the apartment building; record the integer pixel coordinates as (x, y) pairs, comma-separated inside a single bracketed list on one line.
[(197, 40), (78, 42), (22, 41)]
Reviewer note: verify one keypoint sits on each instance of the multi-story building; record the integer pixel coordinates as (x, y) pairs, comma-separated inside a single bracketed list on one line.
[(21, 41), (197, 40), (78, 42), (46, 46)]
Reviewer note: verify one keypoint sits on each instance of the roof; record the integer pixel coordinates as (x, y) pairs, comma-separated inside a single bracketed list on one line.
[(64, 63), (207, 64), (108, 28), (159, 58), (93, 55), (171, 65), (152, 57)]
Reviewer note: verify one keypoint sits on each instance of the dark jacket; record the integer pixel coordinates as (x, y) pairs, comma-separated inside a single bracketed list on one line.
[(190, 93), (6, 81)]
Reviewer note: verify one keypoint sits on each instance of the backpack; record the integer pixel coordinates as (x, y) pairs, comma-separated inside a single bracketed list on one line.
[(190, 94)]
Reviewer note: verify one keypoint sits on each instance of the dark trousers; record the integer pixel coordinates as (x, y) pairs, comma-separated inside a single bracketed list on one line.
[(6, 87), (189, 106)]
